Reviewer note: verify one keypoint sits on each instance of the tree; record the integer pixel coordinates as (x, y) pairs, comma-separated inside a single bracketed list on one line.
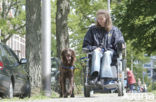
[(12, 18), (33, 41), (62, 35), (137, 19)]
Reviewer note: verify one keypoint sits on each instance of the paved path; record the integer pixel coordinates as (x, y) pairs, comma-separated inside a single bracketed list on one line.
[(130, 97)]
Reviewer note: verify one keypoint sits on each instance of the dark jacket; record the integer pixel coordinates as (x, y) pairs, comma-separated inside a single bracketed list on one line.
[(98, 37)]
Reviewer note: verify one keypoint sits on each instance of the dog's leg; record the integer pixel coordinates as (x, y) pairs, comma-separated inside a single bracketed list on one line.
[(65, 90), (60, 91), (72, 86), (71, 81), (72, 94), (61, 84)]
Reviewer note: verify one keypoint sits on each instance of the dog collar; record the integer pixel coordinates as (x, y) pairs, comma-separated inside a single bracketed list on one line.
[(72, 67)]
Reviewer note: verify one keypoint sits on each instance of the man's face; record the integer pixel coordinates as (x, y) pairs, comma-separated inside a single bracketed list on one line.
[(101, 20)]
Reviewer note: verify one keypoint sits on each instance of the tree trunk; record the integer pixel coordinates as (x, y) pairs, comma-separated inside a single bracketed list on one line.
[(62, 36), (33, 41)]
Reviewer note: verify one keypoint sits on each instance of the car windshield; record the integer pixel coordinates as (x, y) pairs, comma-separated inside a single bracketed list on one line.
[(54, 64), (0, 53), (11, 55)]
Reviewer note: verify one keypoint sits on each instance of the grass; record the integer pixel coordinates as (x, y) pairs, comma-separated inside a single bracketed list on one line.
[(34, 96), (37, 95), (154, 92)]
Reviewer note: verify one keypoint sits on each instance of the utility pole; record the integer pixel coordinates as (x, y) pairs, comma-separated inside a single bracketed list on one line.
[(108, 6), (0, 35), (46, 47)]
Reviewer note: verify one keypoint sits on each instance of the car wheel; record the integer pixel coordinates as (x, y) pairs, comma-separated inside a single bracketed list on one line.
[(10, 90), (86, 91), (27, 90)]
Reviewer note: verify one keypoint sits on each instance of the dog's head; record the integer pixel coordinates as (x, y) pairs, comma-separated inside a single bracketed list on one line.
[(68, 57)]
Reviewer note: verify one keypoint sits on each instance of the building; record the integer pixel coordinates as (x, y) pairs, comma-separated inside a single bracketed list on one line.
[(17, 43), (150, 66)]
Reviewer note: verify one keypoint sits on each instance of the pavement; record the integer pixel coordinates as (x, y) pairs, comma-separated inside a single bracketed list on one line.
[(113, 97)]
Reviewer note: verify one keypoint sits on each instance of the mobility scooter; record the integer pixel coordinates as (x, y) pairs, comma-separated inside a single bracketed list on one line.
[(118, 67)]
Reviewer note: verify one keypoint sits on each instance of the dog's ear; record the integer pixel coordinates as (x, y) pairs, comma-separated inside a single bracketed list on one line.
[(63, 54), (73, 56)]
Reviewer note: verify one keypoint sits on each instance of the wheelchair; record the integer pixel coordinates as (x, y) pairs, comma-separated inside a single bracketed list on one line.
[(118, 67)]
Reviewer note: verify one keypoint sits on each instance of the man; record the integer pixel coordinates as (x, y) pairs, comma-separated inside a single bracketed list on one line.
[(131, 79)]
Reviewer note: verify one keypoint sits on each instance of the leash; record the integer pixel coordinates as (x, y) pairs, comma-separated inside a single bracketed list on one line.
[(71, 67)]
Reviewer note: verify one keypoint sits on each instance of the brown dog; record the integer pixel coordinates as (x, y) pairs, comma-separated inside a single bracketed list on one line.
[(67, 73)]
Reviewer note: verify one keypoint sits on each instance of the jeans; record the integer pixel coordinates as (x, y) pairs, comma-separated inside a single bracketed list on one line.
[(101, 63), (131, 86)]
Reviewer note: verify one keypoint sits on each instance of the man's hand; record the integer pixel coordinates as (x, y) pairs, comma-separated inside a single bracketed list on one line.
[(98, 49), (123, 46)]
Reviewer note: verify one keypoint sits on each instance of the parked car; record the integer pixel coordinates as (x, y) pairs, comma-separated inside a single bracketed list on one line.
[(14, 77), (55, 63)]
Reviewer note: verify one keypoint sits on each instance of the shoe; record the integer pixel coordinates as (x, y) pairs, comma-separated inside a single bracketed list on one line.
[(100, 82), (93, 81)]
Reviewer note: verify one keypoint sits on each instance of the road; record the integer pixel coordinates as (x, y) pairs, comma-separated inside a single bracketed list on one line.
[(128, 97)]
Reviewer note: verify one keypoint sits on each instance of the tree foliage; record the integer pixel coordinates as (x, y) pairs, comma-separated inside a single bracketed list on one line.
[(12, 16), (137, 20), (53, 27)]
